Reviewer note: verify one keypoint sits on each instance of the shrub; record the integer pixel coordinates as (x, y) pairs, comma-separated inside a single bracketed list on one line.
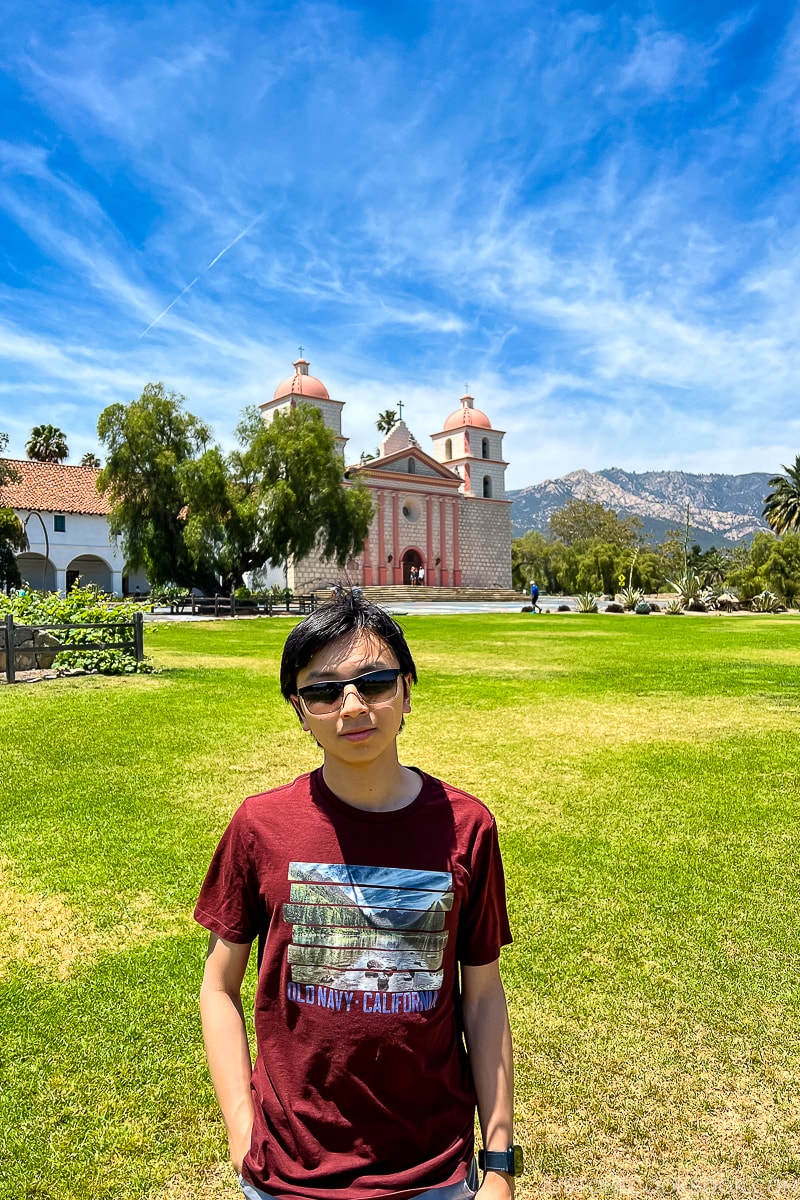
[(614, 607), (563, 608), (673, 608), (86, 605), (103, 662), (170, 594), (654, 607), (587, 602)]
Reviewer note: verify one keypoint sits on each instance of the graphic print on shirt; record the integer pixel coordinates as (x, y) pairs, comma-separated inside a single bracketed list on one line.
[(367, 929)]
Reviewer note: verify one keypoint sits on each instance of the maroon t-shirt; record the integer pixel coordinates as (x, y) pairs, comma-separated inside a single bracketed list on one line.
[(361, 1084)]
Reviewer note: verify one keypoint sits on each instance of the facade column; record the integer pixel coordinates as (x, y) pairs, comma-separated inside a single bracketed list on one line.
[(61, 578), (429, 539), (116, 583), (456, 554), (397, 571), (444, 577), (367, 571), (381, 538)]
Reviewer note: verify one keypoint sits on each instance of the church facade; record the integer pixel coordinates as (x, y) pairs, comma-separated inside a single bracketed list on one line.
[(444, 511)]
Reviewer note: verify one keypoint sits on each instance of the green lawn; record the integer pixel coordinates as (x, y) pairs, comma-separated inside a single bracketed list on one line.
[(644, 772)]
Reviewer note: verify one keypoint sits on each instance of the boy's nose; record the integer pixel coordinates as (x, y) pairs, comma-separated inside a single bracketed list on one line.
[(351, 699)]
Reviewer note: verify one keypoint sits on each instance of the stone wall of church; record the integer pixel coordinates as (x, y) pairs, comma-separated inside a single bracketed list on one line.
[(484, 536)]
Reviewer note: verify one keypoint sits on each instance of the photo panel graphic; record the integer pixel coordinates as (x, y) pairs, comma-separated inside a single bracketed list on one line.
[(367, 929)]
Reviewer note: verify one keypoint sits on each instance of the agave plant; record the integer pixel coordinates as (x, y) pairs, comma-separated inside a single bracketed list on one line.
[(630, 597), (673, 608), (766, 602), (691, 591), (587, 602)]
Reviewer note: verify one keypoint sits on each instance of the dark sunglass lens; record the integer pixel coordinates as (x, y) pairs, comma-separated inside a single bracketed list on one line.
[(377, 684), (322, 695)]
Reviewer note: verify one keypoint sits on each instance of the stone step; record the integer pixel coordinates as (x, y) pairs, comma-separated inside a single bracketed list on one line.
[(405, 594)]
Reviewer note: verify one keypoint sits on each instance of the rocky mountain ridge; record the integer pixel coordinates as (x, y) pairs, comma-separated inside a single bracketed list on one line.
[(722, 508)]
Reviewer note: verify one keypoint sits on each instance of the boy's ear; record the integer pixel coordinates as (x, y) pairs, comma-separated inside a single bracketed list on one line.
[(406, 693), (299, 711)]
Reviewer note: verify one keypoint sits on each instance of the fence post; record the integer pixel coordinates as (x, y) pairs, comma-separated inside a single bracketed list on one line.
[(10, 672), (233, 605), (138, 636)]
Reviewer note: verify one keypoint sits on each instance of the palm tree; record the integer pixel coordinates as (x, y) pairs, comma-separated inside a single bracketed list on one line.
[(386, 420), (90, 459), (47, 444), (782, 505)]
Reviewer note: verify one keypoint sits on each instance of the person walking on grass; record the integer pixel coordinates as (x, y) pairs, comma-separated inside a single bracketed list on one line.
[(375, 895), (535, 597)]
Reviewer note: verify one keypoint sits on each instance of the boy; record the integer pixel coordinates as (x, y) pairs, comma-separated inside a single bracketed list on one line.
[(369, 888)]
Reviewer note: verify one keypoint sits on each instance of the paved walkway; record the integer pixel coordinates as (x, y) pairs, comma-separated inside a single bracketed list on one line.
[(410, 608)]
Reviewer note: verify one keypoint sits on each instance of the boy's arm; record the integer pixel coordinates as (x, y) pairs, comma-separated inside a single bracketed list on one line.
[(488, 1037), (225, 1037)]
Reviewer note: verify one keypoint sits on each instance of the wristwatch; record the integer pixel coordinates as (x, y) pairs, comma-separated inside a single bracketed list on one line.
[(509, 1160)]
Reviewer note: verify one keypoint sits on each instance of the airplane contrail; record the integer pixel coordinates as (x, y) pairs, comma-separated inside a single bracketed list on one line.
[(213, 262)]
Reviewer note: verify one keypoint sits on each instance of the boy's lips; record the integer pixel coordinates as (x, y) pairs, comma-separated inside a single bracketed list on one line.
[(357, 735)]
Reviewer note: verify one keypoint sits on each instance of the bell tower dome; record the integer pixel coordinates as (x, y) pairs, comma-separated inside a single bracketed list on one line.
[(468, 445)]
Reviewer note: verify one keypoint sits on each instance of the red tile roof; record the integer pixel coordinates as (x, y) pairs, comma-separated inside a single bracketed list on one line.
[(53, 487)]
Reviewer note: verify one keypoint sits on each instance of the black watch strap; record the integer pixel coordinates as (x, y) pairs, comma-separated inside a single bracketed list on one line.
[(510, 1160)]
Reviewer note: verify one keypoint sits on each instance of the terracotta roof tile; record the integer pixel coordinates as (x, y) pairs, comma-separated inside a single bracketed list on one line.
[(53, 487)]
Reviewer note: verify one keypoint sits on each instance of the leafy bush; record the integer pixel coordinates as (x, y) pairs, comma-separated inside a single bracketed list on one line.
[(169, 594), (587, 602), (86, 605), (242, 593), (642, 608), (103, 662)]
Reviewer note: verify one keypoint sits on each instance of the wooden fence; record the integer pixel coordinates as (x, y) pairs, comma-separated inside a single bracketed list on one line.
[(127, 635), (229, 606)]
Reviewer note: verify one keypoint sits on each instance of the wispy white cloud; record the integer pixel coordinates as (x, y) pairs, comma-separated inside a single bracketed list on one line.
[(592, 217)]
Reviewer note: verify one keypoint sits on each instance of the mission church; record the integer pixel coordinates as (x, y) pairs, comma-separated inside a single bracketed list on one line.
[(445, 511)]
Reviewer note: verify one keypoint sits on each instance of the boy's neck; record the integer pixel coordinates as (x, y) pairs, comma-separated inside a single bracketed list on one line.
[(377, 787)]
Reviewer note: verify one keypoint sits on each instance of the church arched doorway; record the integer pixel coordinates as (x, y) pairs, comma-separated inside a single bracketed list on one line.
[(411, 558)]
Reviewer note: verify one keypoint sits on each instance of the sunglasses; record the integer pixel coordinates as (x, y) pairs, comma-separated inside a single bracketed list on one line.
[(376, 687)]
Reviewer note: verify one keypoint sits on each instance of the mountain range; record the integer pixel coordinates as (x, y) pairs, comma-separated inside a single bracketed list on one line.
[(723, 509)]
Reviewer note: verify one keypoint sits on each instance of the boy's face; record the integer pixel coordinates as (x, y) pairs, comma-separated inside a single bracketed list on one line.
[(358, 731)]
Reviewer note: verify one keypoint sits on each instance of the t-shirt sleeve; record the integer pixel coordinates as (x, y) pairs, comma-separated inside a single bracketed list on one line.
[(230, 902), (484, 928)]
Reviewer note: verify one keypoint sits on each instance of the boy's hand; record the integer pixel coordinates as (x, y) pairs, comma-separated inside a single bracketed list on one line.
[(239, 1144)]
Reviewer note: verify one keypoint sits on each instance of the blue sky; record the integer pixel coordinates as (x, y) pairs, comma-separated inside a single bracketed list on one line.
[(589, 213)]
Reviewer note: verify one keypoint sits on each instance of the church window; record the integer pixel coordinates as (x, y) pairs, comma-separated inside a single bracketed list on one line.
[(59, 523), (485, 448), (487, 487), (412, 509), (412, 467), (448, 449)]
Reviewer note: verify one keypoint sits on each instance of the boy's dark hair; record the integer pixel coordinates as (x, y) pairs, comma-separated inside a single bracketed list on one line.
[(347, 616)]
